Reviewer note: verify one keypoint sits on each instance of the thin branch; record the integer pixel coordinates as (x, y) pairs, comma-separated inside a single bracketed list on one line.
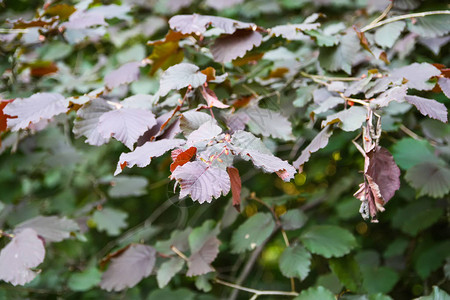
[(404, 17), (254, 291), (329, 78), (179, 253), (6, 30), (409, 132), (384, 14)]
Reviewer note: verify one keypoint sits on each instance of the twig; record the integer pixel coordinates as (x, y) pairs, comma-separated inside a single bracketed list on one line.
[(6, 30), (381, 17), (409, 132), (329, 78), (404, 17), (179, 253), (256, 292)]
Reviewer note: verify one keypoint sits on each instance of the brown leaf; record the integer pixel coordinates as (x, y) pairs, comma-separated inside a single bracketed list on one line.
[(236, 186)]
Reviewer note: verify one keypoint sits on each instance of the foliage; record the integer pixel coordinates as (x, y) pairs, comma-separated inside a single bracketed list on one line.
[(273, 112)]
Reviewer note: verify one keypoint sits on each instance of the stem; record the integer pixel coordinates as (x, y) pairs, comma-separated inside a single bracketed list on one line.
[(256, 292), (381, 17), (5, 30), (329, 78), (404, 17), (179, 253)]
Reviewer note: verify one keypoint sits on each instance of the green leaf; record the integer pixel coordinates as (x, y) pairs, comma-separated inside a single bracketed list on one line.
[(416, 217), (252, 233), (322, 39), (110, 220), (167, 293), (202, 283), (331, 282), (379, 279), (388, 34), (177, 238), (347, 270), (342, 56), (200, 235), (295, 262), (314, 293), (408, 152), (437, 294), (328, 240), (396, 248), (350, 119), (431, 259), (124, 186), (429, 178), (167, 270), (81, 282), (431, 26), (293, 219)]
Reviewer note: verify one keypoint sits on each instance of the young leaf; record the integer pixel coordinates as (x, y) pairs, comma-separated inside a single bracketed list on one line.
[(180, 76), (129, 268), (328, 240), (31, 110), (211, 98), (201, 181), (25, 251), (350, 119), (315, 293), (319, 142), (429, 107), (87, 124), (127, 73), (110, 220), (252, 233), (229, 47), (126, 124), (429, 178), (295, 262), (52, 229), (236, 185), (167, 270), (142, 156), (182, 157)]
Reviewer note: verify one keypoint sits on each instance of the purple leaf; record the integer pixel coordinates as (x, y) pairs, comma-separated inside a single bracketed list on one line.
[(199, 262), (52, 229), (180, 76), (126, 124), (417, 75), (229, 47), (25, 251), (198, 24), (269, 123), (139, 101), (129, 268), (201, 181), (444, 84), (205, 133), (40, 106), (143, 155), (192, 120), (293, 31), (237, 121), (384, 171), (84, 19), (87, 125), (127, 73), (350, 119), (396, 93), (319, 142), (429, 107), (220, 5)]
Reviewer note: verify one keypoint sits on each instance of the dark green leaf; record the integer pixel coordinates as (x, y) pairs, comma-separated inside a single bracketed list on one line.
[(328, 240)]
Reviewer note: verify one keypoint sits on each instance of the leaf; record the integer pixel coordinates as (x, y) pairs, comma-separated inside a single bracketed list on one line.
[(315, 293), (236, 185), (251, 148), (198, 24), (252, 233), (204, 134), (167, 270), (396, 93), (142, 156), (429, 178), (437, 294), (110, 220), (416, 217), (182, 157), (127, 73), (211, 98), (83, 19), (199, 262), (202, 283), (347, 270), (409, 152), (178, 238), (387, 35), (431, 26), (350, 119), (293, 219), (160, 294), (192, 120), (31, 110), (84, 281), (180, 76), (269, 123), (201, 181), (221, 5), (384, 171), (328, 240), (139, 101), (340, 57), (229, 47), (429, 107), (431, 258), (379, 279), (295, 262), (126, 124), (416, 75), (3, 117), (24, 252), (52, 229), (88, 121), (444, 84), (293, 31), (129, 268), (319, 142), (165, 55), (125, 186)]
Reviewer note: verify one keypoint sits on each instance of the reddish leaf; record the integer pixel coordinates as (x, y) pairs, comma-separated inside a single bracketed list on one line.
[(43, 69), (127, 73), (130, 267), (236, 186), (211, 98), (199, 262), (63, 11), (3, 117), (25, 251), (429, 107), (229, 47), (182, 157)]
